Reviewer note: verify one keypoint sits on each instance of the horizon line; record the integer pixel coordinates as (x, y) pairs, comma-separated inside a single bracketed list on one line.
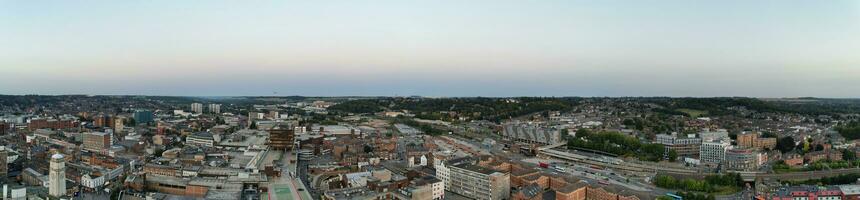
[(422, 96)]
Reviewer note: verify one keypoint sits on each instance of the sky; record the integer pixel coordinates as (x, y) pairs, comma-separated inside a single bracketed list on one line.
[(432, 48)]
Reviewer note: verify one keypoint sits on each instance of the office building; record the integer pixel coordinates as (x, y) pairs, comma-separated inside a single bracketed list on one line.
[(143, 116), (197, 108), (57, 176), (97, 141), (281, 137), (685, 146), (477, 182), (204, 139), (713, 152), (741, 159)]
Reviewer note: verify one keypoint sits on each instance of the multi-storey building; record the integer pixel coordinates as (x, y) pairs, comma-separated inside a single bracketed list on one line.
[(751, 140), (281, 137), (197, 108), (103, 121), (143, 116), (747, 140), (443, 169), (215, 108), (425, 188), (204, 139), (477, 182), (97, 141), (50, 123), (765, 143), (713, 152), (684, 146), (743, 159)]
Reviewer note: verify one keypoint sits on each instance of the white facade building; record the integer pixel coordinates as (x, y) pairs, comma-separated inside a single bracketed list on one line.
[(713, 152), (57, 176), (442, 172), (197, 108), (92, 182), (215, 108)]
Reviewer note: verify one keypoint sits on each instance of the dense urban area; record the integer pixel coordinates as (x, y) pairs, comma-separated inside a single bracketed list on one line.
[(425, 148)]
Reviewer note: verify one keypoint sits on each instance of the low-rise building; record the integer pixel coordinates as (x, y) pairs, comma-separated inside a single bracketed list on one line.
[(806, 192), (204, 139), (851, 192)]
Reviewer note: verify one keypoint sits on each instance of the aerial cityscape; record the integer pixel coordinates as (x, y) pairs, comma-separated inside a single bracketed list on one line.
[(430, 100), (154, 147)]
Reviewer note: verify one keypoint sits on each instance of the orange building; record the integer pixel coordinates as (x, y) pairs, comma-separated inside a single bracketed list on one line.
[(51, 124), (160, 170), (747, 140), (571, 192)]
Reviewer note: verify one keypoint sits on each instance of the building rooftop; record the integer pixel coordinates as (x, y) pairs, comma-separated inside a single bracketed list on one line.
[(475, 168), (850, 189)]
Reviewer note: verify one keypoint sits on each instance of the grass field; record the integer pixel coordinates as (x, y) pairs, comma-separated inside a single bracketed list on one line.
[(692, 113)]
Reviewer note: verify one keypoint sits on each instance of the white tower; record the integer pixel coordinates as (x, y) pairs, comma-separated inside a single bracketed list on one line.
[(57, 176), (197, 108)]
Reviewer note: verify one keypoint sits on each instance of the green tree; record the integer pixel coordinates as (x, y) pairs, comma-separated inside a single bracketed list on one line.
[(582, 133), (253, 125), (850, 130), (768, 134), (848, 155), (785, 144), (564, 133), (673, 155)]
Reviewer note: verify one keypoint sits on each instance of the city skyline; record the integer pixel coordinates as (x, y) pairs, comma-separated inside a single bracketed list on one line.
[(431, 48)]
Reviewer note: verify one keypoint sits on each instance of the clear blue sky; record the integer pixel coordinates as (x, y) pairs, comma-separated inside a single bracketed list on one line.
[(433, 48)]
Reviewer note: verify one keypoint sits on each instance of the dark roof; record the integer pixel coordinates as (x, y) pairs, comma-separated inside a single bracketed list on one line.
[(475, 168), (531, 190), (456, 161)]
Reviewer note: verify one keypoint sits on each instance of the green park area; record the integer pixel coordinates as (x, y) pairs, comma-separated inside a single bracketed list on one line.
[(692, 112)]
